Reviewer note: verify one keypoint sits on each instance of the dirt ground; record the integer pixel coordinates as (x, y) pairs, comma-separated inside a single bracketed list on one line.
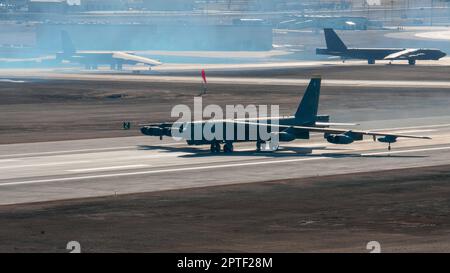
[(64, 110), (404, 210), (385, 72)]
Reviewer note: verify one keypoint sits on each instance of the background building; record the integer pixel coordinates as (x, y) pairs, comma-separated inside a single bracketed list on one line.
[(47, 6), (101, 5)]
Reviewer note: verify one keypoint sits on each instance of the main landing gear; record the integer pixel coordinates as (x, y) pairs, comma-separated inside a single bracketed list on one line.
[(215, 147), (272, 146), (258, 146), (227, 147)]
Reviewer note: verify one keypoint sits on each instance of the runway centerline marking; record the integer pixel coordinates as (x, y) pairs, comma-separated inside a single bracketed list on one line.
[(124, 167), (64, 179)]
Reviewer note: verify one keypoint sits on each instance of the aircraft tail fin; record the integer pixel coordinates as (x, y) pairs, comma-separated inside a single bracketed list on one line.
[(67, 44), (333, 41), (307, 110)]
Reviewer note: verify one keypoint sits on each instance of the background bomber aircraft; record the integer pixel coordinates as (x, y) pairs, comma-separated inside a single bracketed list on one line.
[(92, 59), (336, 47), (286, 129)]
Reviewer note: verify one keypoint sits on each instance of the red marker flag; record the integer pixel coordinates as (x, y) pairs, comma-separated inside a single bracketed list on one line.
[(204, 76)]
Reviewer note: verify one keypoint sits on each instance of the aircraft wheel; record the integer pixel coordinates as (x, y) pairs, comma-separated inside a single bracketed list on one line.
[(411, 62), (215, 147), (258, 146), (371, 61), (228, 147)]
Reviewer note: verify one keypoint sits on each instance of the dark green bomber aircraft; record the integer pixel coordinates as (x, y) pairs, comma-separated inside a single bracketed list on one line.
[(335, 47), (286, 129)]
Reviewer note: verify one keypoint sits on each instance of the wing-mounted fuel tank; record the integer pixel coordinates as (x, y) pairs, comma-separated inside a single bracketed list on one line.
[(345, 138), (388, 139)]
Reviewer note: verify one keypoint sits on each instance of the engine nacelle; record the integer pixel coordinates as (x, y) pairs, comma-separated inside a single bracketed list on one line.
[(388, 139), (339, 139), (156, 131), (283, 136)]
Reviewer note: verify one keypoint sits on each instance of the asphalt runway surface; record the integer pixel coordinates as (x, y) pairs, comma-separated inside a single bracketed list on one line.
[(36, 172)]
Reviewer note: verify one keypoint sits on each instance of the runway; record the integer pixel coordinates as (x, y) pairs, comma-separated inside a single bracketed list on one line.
[(190, 73), (38, 172)]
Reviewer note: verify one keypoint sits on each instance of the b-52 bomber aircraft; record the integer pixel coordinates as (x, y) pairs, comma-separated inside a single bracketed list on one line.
[(92, 59), (335, 47), (283, 129)]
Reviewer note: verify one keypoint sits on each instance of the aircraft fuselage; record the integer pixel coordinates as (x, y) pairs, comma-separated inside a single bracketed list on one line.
[(381, 53)]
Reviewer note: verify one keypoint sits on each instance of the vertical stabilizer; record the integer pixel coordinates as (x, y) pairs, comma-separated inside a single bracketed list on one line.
[(307, 110), (334, 43)]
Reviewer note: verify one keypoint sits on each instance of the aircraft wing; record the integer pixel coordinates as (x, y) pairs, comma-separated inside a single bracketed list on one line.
[(335, 130), (404, 54), (134, 58), (327, 124), (358, 132)]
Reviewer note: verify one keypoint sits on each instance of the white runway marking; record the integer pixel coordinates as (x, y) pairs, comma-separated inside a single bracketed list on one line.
[(416, 131), (8, 160), (414, 127), (109, 168), (46, 164), (65, 179), (83, 150), (409, 151), (68, 151)]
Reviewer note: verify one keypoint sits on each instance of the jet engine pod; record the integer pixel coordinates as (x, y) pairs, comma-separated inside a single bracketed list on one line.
[(152, 131), (156, 131), (388, 139), (167, 131), (339, 139)]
